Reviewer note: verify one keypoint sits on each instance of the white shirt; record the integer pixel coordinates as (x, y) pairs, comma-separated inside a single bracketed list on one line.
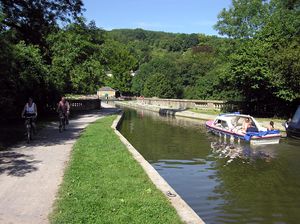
[(30, 110)]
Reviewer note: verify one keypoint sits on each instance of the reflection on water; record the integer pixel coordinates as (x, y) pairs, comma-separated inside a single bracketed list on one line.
[(223, 181), (232, 151)]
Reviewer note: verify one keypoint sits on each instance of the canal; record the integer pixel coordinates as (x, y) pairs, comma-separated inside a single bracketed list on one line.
[(223, 181)]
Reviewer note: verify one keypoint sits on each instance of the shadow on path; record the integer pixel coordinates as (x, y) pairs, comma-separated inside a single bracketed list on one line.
[(20, 160), (17, 164), (51, 135)]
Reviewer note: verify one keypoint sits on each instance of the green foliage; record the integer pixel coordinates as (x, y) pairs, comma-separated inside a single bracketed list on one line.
[(286, 72), (87, 76), (243, 19), (34, 20), (24, 72), (119, 62), (265, 67), (159, 85), (76, 66), (104, 184), (24, 53), (159, 78)]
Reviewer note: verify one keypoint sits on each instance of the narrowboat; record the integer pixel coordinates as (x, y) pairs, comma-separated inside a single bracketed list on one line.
[(293, 127)]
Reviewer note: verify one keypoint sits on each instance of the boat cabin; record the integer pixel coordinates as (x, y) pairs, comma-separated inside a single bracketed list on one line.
[(235, 121), (233, 125)]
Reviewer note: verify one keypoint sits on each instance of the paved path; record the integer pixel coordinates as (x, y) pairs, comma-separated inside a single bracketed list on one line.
[(31, 174)]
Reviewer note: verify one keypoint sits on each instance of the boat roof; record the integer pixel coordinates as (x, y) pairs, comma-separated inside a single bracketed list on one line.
[(230, 116), (235, 114)]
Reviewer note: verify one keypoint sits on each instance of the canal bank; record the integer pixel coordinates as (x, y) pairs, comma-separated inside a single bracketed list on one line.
[(189, 114)]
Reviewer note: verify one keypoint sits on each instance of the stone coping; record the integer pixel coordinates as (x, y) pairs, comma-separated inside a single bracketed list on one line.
[(185, 212), (182, 100)]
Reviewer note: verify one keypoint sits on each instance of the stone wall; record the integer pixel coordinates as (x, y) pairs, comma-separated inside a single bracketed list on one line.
[(184, 104)]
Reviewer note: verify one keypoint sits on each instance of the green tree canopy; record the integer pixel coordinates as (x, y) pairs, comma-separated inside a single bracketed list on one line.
[(33, 20)]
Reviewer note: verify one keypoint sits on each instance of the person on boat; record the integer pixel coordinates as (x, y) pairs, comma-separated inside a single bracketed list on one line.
[(286, 123), (271, 126), (246, 125)]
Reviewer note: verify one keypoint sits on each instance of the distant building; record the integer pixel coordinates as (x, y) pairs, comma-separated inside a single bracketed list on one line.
[(106, 92), (109, 73), (132, 73)]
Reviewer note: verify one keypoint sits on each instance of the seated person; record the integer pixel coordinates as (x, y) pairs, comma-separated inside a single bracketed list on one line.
[(246, 125), (249, 126), (271, 126)]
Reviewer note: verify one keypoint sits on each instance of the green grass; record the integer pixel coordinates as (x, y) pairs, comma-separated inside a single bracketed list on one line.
[(206, 111), (104, 184), (217, 112), (278, 120)]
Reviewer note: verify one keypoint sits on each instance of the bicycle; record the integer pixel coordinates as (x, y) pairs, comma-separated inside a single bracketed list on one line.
[(29, 127), (62, 122)]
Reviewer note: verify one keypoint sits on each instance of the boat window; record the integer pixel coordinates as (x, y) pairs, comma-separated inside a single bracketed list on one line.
[(252, 123), (218, 122), (234, 121), (224, 124), (239, 121)]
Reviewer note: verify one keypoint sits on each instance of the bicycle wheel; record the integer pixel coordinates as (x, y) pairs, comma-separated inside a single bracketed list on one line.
[(64, 123), (60, 125), (28, 133)]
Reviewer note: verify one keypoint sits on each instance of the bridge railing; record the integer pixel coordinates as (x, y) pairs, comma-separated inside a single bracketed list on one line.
[(84, 104), (185, 104)]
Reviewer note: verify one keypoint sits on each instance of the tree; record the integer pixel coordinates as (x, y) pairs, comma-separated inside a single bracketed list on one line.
[(243, 19), (159, 85), (264, 67), (76, 59), (285, 66), (87, 76), (33, 20), (117, 59), (163, 69), (25, 74)]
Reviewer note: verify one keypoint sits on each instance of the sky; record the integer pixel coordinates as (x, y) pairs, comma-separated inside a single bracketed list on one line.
[(176, 16)]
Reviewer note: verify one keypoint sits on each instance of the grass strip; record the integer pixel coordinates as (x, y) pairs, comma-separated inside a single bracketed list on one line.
[(205, 111), (104, 184)]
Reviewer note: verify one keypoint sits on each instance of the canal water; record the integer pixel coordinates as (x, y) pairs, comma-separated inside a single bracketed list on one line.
[(223, 181)]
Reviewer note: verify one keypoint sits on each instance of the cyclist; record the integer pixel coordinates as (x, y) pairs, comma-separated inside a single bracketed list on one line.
[(30, 110), (63, 109)]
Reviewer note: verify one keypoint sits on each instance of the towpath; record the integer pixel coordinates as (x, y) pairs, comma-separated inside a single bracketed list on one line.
[(30, 175)]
